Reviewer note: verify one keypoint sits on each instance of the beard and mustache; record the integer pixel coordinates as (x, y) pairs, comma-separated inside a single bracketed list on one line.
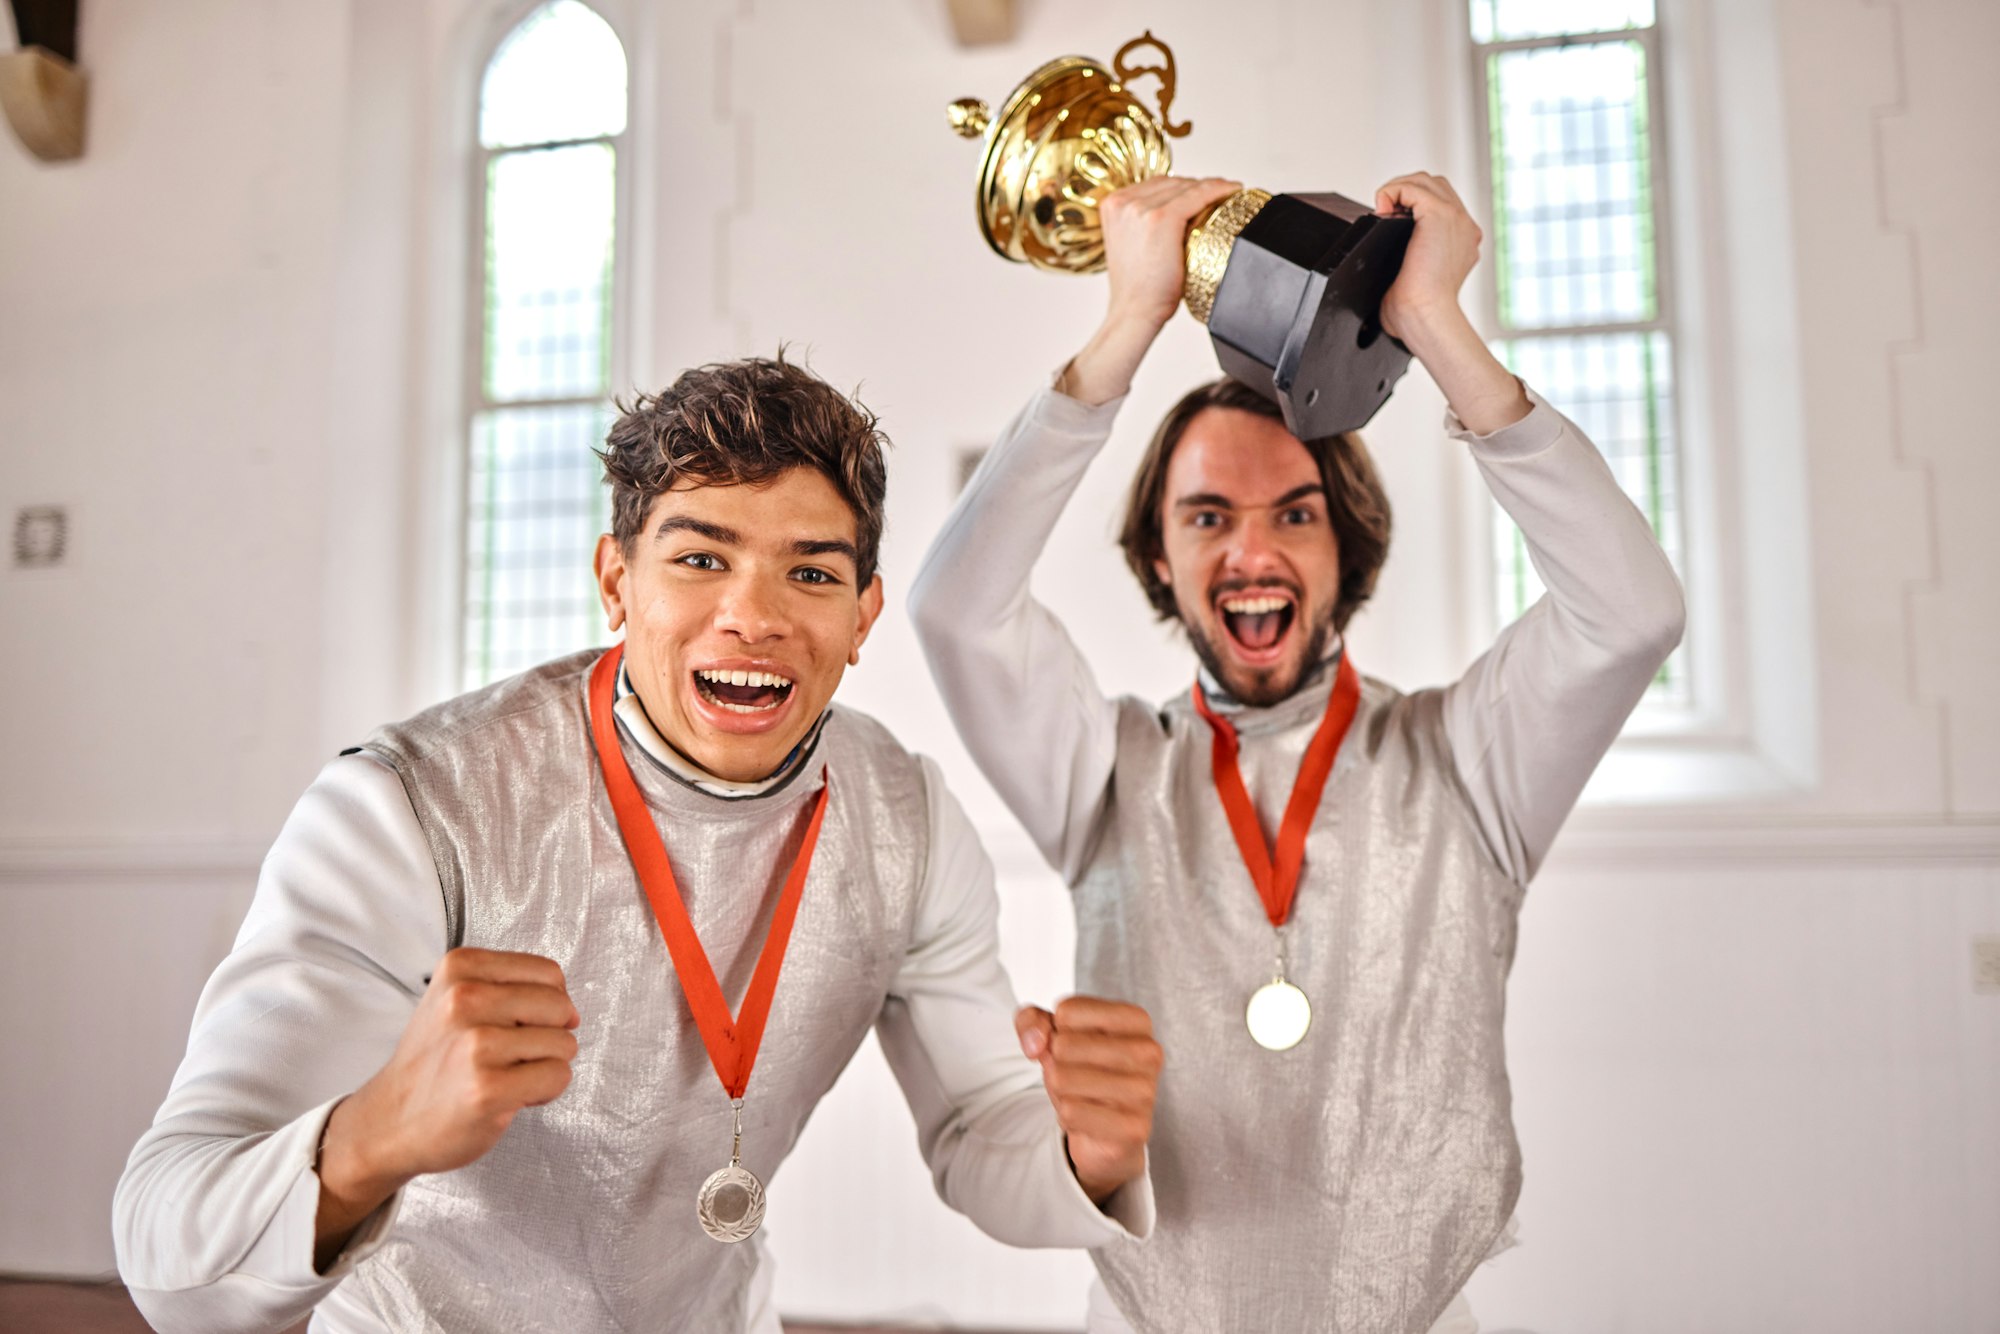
[(1260, 688)]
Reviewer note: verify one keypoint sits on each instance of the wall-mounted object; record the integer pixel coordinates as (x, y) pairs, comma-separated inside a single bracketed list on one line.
[(980, 22), (41, 536), (41, 89)]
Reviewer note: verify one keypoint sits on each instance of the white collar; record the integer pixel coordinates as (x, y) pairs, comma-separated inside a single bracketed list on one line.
[(631, 711)]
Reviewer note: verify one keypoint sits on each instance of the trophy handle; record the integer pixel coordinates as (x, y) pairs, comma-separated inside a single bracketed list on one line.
[(1126, 73)]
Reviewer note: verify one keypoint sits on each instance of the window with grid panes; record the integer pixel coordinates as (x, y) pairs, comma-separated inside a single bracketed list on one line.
[(551, 118), (1569, 96)]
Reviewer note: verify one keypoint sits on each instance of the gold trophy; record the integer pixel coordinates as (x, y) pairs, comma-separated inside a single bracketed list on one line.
[(1290, 286)]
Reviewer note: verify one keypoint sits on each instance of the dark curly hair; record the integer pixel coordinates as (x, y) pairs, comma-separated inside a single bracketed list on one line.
[(746, 422), (1357, 506)]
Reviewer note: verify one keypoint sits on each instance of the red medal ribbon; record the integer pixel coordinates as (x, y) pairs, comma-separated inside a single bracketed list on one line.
[(732, 1044), (1278, 884)]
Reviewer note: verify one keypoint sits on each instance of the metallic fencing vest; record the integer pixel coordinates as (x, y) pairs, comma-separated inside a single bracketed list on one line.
[(582, 1218), (1353, 1182)]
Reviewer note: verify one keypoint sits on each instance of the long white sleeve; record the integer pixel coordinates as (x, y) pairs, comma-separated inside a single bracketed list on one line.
[(1531, 718), (984, 1122), (1022, 695), (214, 1216)]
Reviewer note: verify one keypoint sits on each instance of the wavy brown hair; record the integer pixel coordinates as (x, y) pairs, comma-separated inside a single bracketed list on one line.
[(1356, 504), (747, 422)]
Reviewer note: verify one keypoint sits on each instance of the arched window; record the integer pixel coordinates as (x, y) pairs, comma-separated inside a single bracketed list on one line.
[(552, 112), (1569, 95)]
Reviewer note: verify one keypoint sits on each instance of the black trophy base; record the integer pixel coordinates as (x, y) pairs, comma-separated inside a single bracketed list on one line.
[(1298, 314)]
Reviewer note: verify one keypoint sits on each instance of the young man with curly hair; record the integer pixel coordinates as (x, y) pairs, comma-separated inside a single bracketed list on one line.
[(481, 1058)]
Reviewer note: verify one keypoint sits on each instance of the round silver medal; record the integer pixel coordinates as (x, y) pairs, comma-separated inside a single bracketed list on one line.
[(731, 1203), (1278, 1016)]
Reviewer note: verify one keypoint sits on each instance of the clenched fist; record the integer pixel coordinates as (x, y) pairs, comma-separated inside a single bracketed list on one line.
[(1145, 241), (1442, 252), (1421, 307), (1102, 1071), (1145, 250), (494, 1033)]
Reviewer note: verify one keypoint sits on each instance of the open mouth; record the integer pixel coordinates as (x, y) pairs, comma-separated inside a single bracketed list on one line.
[(1257, 622), (742, 691)]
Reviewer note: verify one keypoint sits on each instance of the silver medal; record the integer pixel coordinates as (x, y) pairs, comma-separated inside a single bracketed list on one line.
[(731, 1204), (1279, 1015)]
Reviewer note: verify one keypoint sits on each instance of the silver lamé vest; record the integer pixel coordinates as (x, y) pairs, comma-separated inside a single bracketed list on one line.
[(1351, 1183), (583, 1217)]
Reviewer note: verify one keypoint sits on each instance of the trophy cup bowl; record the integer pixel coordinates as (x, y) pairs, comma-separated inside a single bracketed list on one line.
[(1290, 286)]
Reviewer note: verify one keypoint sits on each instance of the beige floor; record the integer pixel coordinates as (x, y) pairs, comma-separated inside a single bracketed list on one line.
[(35, 1307)]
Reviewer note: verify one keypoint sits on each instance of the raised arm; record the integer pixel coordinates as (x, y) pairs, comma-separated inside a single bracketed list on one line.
[(1061, 1166), (1022, 696), (1530, 720)]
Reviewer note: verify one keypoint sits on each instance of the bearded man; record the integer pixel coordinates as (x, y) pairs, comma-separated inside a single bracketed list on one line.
[(1334, 1146), (481, 1058)]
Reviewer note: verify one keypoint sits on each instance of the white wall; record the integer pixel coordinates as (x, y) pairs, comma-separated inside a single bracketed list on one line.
[(164, 306), (1755, 1087)]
